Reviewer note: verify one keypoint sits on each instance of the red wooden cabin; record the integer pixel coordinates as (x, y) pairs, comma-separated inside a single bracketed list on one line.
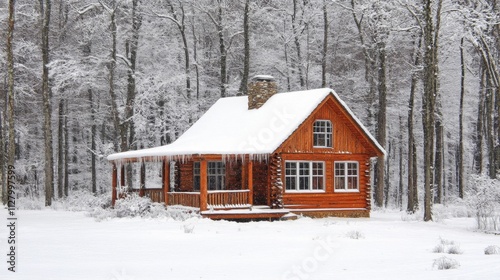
[(262, 156)]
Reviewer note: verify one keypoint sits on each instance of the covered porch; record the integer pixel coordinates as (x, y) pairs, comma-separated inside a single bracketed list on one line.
[(217, 186)]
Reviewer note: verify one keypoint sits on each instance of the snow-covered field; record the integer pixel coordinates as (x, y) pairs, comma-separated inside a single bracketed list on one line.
[(70, 245)]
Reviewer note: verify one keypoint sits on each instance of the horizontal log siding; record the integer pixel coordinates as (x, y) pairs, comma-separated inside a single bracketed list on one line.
[(186, 177), (330, 198)]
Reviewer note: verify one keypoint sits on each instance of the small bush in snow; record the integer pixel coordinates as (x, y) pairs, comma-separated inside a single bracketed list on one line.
[(445, 263), (447, 246), (354, 234), (188, 228), (483, 199), (454, 250), (438, 249), (492, 250)]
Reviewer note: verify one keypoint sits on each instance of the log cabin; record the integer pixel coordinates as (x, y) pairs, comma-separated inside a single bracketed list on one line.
[(265, 155)]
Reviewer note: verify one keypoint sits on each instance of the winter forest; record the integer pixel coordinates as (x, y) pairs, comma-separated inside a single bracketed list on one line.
[(83, 79)]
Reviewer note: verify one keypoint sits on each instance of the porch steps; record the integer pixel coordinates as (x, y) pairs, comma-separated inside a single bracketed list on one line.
[(250, 214)]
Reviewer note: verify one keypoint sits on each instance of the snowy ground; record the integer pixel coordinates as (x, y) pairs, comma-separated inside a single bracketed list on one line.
[(70, 245)]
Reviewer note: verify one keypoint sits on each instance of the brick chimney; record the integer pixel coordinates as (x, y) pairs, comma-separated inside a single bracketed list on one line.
[(260, 89)]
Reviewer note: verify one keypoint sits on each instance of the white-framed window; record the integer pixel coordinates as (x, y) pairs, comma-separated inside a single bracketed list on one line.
[(216, 175), (346, 176), (322, 134), (303, 176)]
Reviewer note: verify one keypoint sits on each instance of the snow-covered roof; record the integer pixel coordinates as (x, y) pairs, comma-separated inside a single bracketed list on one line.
[(229, 128)]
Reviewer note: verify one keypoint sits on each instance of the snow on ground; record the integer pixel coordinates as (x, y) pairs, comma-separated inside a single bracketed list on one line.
[(71, 245)]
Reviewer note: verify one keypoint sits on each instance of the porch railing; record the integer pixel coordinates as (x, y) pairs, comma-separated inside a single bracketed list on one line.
[(156, 195), (223, 199), (191, 199), (228, 199)]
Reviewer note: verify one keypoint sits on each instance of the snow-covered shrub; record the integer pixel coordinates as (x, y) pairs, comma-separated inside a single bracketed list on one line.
[(355, 234), (483, 199), (188, 228), (492, 250), (447, 246), (30, 203), (454, 250), (135, 206), (438, 249), (445, 263), (82, 200)]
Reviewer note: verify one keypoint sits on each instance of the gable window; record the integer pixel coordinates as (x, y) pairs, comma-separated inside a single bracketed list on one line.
[(196, 176), (346, 176), (304, 176), (322, 134), (216, 175)]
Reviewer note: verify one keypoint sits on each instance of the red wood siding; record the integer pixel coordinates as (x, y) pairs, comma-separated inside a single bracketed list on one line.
[(349, 144), (260, 183), (347, 136), (330, 198)]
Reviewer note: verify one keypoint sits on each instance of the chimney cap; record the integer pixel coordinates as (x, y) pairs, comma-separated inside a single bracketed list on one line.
[(263, 78)]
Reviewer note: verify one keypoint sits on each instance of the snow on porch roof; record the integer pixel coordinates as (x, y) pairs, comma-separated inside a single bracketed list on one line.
[(229, 128)]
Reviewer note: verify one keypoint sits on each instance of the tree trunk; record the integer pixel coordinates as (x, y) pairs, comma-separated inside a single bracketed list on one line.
[(243, 90), (182, 30), (60, 150), (296, 40), (93, 131), (370, 65), (381, 124), (47, 128), (387, 183), (66, 151), (401, 171), (412, 155), (429, 102), (223, 52), (460, 177), (478, 140), (325, 45), (118, 141), (195, 57)]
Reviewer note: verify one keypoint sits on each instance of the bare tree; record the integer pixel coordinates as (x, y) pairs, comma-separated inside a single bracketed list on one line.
[(246, 51), (429, 100), (47, 110), (412, 155), (325, 44), (460, 177)]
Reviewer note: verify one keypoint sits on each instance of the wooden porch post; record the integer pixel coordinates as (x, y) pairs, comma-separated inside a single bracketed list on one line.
[(114, 181), (143, 180), (166, 180), (250, 181), (203, 185)]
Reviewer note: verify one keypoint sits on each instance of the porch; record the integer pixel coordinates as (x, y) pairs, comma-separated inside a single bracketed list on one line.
[(226, 193)]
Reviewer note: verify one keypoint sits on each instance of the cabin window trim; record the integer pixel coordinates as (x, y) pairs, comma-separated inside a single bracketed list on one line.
[(302, 173), (341, 176), (196, 176), (216, 175), (323, 130)]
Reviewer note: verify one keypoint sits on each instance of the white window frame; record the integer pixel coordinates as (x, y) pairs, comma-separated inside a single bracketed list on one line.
[(345, 176), (326, 134), (310, 176)]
